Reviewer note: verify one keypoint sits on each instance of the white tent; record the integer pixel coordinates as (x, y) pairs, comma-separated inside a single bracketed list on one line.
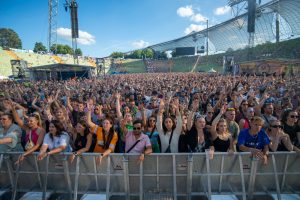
[(212, 70)]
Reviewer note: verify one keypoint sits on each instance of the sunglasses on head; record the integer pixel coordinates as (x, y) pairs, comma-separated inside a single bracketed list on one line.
[(230, 109), (277, 126)]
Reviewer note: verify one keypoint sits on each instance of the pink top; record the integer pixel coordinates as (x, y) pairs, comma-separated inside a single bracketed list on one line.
[(34, 136), (140, 147)]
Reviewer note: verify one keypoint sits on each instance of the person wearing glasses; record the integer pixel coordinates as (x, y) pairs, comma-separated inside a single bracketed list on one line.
[(242, 111), (10, 134), (290, 126), (136, 141), (97, 115), (255, 139), (280, 141), (152, 133)]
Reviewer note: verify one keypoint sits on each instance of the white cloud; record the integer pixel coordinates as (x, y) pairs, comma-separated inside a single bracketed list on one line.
[(140, 44), (198, 18), (85, 38), (185, 11), (194, 27), (222, 10)]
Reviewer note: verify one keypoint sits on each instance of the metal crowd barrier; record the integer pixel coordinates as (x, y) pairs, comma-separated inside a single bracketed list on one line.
[(160, 176)]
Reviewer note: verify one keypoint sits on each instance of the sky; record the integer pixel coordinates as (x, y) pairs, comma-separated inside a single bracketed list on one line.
[(106, 26)]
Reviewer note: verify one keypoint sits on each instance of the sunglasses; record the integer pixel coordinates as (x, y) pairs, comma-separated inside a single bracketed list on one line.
[(277, 126), (137, 128), (293, 116), (152, 120), (210, 113)]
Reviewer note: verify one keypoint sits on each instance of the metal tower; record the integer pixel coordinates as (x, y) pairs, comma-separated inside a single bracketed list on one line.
[(52, 22), (238, 6)]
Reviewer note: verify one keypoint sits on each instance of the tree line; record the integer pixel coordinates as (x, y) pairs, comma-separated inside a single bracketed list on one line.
[(10, 39), (140, 54)]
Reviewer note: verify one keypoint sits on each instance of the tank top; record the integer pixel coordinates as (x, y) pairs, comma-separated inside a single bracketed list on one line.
[(80, 142), (221, 145), (246, 124), (34, 136)]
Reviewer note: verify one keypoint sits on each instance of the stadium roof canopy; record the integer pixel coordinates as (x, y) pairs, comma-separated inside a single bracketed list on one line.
[(233, 33)]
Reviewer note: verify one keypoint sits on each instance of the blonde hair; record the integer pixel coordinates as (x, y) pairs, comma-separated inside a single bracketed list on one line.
[(222, 120), (258, 120)]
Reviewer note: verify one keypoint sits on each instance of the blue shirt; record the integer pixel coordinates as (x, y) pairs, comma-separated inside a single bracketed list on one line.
[(257, 141)]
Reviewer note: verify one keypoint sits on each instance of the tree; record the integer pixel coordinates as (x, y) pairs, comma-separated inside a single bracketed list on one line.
[(78, 52), (61, 49), (117, 54), (39, 47), (137, 54), (148, 53), (10, 39)]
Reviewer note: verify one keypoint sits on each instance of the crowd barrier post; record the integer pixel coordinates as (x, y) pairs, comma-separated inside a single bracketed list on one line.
[(126, 176), (208, 176), (242, 177), (76, 177), (189, 176), (284, 171), (108, 177), (46, 178), (67, 175), (252, 177), (276, 177), (174, 178), (38, 172), (16, 177)]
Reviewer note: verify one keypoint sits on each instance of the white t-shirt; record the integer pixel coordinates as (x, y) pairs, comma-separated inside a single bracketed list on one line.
[(57, 141)]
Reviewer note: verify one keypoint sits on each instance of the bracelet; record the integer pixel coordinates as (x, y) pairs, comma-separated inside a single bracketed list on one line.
[(75, 153)]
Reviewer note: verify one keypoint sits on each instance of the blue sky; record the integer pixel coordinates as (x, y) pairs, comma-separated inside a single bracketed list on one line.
[(113, 25)]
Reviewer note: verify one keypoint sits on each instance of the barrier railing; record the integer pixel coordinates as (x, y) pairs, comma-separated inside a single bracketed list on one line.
[(170, 176)]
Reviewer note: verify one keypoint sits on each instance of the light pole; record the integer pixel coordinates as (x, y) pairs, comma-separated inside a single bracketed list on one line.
[(207, 42)]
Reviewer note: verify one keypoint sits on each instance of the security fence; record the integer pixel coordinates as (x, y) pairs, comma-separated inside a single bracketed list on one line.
[(160, 176)]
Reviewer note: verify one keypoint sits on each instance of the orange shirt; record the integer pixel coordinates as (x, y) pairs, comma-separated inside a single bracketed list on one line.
[(99, 143)]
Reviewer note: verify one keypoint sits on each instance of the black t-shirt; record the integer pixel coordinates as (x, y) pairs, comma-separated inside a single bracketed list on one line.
[(192, 141), (81, 141), (292, 132)]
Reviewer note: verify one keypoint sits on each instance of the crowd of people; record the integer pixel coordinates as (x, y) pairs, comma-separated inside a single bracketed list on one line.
[(151, 113)]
